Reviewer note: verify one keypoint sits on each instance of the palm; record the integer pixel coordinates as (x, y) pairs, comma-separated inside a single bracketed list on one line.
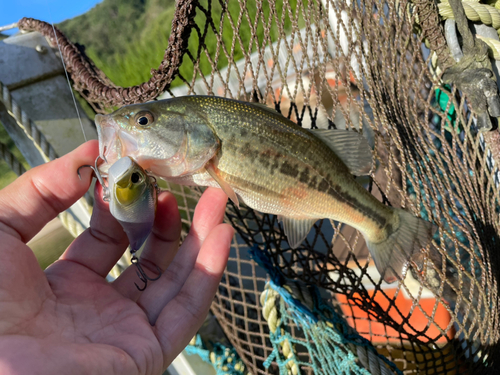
[(68, 319), (96, 327)]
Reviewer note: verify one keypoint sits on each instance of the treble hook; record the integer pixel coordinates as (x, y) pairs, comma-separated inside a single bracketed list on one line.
[(142, 275), (98, 176)]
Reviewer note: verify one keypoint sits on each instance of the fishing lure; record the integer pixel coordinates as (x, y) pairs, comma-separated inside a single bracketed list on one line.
[(132, 196)]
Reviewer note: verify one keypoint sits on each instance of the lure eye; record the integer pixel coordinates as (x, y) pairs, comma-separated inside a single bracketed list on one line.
[(135, 178), (144, 118)]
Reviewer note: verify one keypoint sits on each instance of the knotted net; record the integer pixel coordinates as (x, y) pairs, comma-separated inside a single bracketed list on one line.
[(369, 66)]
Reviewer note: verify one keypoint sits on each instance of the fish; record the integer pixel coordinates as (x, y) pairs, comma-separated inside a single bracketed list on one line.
[(256, 155), (132, 197)]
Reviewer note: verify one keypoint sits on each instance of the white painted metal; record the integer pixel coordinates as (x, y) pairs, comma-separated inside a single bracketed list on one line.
[(186, 364), (32, 73)]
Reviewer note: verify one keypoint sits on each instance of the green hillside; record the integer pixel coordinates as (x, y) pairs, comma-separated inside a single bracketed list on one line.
[(127, 38)]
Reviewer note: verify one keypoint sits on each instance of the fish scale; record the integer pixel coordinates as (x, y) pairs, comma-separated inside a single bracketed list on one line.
[(265, 160), (294, 147)]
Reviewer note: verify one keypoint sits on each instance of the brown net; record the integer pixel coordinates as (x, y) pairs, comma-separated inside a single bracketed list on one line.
[(360, 65)]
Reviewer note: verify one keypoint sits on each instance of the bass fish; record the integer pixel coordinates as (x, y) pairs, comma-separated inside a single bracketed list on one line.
[(132, 196), (256, 155)]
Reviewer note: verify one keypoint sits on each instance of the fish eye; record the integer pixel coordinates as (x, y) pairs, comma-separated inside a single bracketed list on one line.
[(144, 118)]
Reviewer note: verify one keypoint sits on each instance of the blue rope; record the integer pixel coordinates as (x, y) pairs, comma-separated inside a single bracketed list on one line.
[(227, 360), (340, 335)]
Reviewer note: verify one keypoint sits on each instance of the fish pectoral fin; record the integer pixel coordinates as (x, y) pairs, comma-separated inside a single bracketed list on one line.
[(296, 230), (351, 147), (226, 188)]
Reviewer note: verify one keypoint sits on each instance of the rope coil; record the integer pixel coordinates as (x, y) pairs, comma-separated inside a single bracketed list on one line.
[(11, 160), (474, 11), (92, 82), (269, 300), (71, 225), (46, 150), (22, 119), (493, 44)]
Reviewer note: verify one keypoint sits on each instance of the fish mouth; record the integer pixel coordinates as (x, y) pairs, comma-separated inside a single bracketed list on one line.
[(107, 134), (113, 142)]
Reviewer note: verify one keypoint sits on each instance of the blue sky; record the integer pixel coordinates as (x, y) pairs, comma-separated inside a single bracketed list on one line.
[(46, 10)]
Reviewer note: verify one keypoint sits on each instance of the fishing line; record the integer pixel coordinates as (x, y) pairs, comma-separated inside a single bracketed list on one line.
[(67, 76)]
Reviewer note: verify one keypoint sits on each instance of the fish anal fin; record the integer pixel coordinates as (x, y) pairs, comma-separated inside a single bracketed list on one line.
[(351, 147), (226, 188), (296, 230)]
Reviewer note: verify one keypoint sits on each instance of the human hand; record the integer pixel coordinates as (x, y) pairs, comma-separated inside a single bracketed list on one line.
[(68, 319)]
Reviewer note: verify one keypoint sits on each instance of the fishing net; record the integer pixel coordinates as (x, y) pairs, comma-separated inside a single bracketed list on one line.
[(368, 66)]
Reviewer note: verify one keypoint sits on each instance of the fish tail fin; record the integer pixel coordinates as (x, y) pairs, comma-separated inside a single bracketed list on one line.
[(391, 256)]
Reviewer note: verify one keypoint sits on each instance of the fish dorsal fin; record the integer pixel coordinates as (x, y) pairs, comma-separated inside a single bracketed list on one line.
[(226, 188), (351, 147), (266, 108), (296, 230)]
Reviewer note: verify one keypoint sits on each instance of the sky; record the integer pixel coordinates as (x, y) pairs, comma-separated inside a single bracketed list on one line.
[(46, 10)]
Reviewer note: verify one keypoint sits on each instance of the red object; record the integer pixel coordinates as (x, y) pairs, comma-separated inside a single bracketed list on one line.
[(423, 322)]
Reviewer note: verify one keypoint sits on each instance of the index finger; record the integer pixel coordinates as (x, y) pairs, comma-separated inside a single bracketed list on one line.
[(40, 194)]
